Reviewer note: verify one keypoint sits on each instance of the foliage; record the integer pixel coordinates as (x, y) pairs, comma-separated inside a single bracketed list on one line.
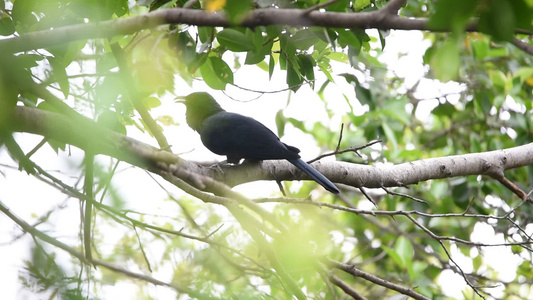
[(113, 80)]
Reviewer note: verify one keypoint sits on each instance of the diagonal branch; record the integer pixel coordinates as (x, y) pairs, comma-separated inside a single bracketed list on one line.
[(133, 95), (374, 279)]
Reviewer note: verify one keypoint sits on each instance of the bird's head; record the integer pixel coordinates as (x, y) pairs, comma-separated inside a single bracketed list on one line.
[(200, 106)]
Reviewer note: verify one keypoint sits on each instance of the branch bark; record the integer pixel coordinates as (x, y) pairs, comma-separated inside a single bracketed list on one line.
[(102, 141), (385, 18)]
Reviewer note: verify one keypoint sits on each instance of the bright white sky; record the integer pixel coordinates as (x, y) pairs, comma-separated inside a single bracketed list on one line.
[(29, 198)]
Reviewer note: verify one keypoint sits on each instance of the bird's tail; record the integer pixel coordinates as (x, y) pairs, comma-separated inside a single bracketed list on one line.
[(315, 175)]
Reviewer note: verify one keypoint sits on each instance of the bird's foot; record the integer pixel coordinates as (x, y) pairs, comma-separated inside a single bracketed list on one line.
[(218, 166)]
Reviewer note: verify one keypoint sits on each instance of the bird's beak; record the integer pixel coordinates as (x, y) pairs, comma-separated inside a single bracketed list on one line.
[(182, 99)]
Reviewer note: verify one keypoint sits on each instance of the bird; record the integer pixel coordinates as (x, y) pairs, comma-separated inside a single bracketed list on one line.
[(240, 137)]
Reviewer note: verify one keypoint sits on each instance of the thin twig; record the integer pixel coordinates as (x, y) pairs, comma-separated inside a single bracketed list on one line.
[(142, 248), (269, 92), (527, 48), (439, 240), (340, 138), (345, 287), (404, 195), (318, 6), (52, 241), (350, 269), (368, 196), (351, 149), (514, 188)]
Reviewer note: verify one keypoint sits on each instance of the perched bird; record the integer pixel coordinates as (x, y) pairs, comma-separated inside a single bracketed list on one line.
[(240, 137)]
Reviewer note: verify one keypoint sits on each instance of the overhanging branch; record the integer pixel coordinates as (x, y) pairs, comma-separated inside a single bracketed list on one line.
[(380, 19)]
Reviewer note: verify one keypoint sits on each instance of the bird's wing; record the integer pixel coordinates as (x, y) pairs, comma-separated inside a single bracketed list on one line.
[(238, 136)]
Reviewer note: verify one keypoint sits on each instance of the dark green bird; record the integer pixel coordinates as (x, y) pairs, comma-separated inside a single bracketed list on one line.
[(240, 137)]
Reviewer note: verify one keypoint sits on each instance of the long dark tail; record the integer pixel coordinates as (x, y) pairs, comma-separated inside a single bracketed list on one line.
[(315, 175)]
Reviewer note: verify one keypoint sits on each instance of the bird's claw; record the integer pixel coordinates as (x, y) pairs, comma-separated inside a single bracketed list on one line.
[(218, 165)]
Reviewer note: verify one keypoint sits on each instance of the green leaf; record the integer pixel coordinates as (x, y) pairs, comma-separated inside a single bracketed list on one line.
[(280, 123), (263, 66), (108, 91), (236, 10), (106, 62), (445, 109), (198, 61), (297, 124), (391, 137), (27, 61), (405, 250), (118, 7), (498, 79), (446, 61), (22, 14), (271, 65), (6, 26), (360, 4), (452, 14), (394, 255), (205, 33), (326, 72), (185, 47), (306, 65), (363, 94), (294, 80), (524, 73), (461, 194), (216, 73), (258, 55), (523, 13), (222, 69), (234, 40), (60, 75), (303, 39), (498, 20), (340, 6), (110, 120), (382, 35), (339, 56), (348, 38), (151, 102), (67, 53), (480, 47)]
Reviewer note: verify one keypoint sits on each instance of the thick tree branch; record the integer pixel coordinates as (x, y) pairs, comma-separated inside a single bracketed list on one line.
[(102, 141), (380, 19)]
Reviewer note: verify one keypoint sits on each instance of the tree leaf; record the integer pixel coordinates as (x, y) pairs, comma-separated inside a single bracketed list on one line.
[(237, 10), (405, 250), (60, 75), (216, 73), (6, 26), (234, 40), (303, 39), (446, 61)]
